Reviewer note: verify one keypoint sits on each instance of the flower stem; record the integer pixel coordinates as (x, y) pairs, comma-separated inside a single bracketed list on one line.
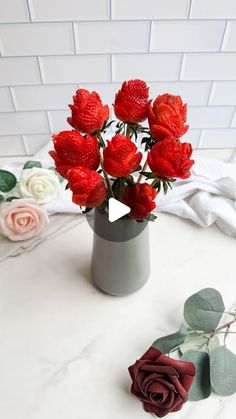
[(107, 179), (143, 170), (225, 326), (128, 131)]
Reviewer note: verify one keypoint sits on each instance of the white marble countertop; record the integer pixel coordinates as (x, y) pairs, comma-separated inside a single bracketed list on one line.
[(65, 347)]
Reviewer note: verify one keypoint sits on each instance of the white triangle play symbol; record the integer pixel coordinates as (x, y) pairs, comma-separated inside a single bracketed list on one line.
[(116, 210)]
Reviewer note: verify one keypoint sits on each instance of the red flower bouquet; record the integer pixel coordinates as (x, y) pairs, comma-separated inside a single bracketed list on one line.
[(98, 169)]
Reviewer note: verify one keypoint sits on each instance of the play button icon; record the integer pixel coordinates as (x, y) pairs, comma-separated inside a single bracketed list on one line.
[(116, 210)]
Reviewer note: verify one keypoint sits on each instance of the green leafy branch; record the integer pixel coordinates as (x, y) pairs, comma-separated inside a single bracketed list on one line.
[(198, 342)]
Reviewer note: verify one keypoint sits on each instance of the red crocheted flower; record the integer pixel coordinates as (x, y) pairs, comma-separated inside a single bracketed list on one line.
[(131, 102), (73, 149), (167, 117), (88, 187), (140, 198), (88, 112), (120, 157), (171, 159)]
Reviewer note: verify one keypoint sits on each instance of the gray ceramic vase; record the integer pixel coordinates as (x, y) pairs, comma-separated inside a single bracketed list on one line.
[(120, 262)]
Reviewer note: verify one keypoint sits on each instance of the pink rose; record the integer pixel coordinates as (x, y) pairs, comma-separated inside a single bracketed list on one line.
[(22, 219)]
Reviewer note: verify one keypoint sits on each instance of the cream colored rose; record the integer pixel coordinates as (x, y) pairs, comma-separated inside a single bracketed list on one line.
[(41, 184), (22, 219)]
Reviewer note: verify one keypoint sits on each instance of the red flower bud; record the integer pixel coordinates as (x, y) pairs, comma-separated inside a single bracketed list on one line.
[(171, 159), (88, 112), (140, 198), (73, 149), (131, 102), (88, 187), (120, 156), (167, 117)]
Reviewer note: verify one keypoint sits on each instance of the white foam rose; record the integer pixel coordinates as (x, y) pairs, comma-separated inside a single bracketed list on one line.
[(40, 184), (22, 219)]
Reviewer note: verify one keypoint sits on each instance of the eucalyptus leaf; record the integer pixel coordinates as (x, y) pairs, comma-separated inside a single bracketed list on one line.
[(169, 342), (194, 341), (32, 163), (223, 371), (201, 387), (7, 181), (203, 310)]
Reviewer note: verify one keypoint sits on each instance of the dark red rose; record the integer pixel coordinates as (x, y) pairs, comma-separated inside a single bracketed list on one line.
[(160, 382), (167, 117), (121, 156), (140, 198), (73, 149), (88, 187), (88, 112), (131, 102), (171, 159)]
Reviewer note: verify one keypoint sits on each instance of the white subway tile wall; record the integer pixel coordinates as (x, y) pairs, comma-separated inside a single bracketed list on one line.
[(49, 48)]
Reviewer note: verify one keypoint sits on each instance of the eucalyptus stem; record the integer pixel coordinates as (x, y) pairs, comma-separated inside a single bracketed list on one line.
[(225, 326), (107, 179)]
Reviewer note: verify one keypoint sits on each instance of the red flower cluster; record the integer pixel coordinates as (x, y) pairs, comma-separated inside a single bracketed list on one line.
[(88, 187), (167, 117), (72, 149), (88, 112), (131, 102), (160, 382), (171, 159), (77, 156), (140, 198), (120, 156)]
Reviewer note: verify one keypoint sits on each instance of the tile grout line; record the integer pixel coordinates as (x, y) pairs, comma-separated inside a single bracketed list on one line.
[(190, 9), (211, 90), (224, 36), (24, 144), (40, 72), (233, 118), (110, 68), (149, 36), (28, 9), (181, 69), (124, 53), (110, 11), (198, 141), (76, 50), (36, 22), (12, 98)]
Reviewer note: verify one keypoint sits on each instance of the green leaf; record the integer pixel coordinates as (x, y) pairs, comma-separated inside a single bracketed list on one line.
[(1, 198), (201, 387), (213, 343), (194, 341), (32, 163), (203, 310), (223, 371), (7, 181), (151, 217), (10, 198), (169, 342)]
